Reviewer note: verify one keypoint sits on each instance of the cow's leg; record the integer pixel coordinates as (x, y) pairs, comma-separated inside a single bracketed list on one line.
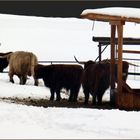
[(75, 93), (99, 100), (71, 96), (11, 78), (23, 80), (86, 93), (35, 81), (75, 96), (1, 69), (94, 95), (52, 94), (99, 97), (103, 86), (95, 89), (58, 96)]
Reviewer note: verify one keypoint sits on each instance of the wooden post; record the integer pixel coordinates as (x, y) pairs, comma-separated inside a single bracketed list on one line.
[(119, 25), (119, 70), (112, 65)]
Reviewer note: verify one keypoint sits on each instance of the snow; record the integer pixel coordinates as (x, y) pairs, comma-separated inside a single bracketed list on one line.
[(58, 39), (116, 11), (20, 121)]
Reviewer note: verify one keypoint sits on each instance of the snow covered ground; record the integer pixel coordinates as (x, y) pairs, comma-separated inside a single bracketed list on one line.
[(58, 39), (22, 121)]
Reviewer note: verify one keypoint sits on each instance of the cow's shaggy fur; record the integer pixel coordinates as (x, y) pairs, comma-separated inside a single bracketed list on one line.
[(96, 79), (22, 64)]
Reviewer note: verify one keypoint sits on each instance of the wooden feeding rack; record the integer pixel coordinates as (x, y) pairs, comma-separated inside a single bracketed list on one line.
[(125, 97), (105, 41)]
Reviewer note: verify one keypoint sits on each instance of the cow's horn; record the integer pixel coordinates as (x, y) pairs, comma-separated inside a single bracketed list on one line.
[(82, 62), (133, 64)]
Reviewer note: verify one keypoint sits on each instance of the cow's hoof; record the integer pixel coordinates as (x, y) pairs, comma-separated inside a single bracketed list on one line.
[(12, 81), (58, 100)]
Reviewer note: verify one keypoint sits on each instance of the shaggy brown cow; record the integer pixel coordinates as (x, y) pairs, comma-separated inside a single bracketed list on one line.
[(96, 78), (95, 81), (61, 76), (4, 60), (22, 64)]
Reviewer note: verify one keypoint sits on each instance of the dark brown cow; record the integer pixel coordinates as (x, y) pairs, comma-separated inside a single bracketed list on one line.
[(96, 78), (61, 76), (95, 81), (4, 60)]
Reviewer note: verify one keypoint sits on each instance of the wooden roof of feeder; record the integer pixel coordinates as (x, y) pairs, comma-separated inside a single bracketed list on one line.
[(113, 13)]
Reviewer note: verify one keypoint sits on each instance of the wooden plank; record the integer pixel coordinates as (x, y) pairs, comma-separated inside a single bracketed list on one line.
[(107, 18), (126, 41), (117, 22), (131, 51)]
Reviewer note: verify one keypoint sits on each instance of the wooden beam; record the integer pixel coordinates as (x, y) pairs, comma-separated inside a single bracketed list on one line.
[(119, 70), (112, 64), (126, 41), (131, 51), (112, 70), (117, 22)]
